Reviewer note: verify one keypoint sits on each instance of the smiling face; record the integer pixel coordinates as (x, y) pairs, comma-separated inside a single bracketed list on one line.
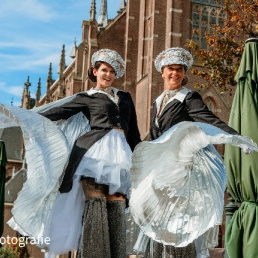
[(173, 76), (105, 75)]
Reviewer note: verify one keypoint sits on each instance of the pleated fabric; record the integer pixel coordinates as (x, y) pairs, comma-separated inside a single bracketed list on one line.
[(178, 183), (242, 182), (47, 147), (64, 226)]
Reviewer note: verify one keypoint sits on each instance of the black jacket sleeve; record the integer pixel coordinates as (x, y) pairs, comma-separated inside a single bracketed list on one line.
[(199, 112), (68, 109)]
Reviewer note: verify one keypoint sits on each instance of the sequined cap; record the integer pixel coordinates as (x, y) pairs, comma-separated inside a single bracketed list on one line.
[(173, 55), (112, 58)]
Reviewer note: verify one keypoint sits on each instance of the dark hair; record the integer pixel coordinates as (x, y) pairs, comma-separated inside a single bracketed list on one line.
[(185, 80), (92, 77)]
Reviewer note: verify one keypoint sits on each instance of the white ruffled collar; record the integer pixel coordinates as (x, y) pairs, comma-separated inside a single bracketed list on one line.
[(94, 90), (180, 95), (113, 97)]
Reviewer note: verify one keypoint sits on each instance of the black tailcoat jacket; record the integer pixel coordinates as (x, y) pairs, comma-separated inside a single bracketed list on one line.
[(103, 115), (189, 107)]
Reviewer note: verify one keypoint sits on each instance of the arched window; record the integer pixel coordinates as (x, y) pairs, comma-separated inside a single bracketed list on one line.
[(205, 13)]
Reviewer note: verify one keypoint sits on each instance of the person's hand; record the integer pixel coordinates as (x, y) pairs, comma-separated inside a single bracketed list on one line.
[(246, 149)]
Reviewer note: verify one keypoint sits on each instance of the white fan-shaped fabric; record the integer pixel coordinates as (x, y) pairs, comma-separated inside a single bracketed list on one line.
[(47, 146), (178, 183)]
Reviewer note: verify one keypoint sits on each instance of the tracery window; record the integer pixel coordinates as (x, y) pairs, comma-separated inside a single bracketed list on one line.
[(215, 3), (205, 13)]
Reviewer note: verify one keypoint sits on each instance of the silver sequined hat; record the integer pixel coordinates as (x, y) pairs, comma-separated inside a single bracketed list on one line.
[(112, 58), (174, 55)]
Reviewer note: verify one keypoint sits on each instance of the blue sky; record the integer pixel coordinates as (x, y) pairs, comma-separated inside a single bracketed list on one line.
[(32, 33)]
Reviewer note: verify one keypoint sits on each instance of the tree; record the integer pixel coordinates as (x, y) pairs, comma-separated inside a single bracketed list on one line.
[(225, 44)]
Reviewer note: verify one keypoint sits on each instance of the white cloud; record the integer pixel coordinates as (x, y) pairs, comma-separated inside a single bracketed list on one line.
[(31, 55), (25, 63), (32, 9), (13, 90)]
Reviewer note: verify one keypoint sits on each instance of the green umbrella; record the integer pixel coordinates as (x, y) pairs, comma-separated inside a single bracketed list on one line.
[(242, 169), (3, 161)]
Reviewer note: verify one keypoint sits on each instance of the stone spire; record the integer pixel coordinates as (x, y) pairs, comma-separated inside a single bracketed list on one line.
[(49, 83), (122, 4), (73, 50), (103, 19), (62, 67), (93, 10), (26, 94), (38, 93)]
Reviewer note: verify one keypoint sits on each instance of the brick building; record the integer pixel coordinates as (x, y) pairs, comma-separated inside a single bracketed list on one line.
[(139, 32)]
